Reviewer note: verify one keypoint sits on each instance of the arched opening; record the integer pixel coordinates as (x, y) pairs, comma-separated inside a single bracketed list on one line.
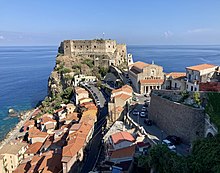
[(209, 135)]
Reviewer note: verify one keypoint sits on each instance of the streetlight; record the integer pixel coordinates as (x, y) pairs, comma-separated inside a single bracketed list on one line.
[(161, 136)]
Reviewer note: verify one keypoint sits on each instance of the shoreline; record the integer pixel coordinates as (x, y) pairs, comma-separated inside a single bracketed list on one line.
[(12, 134)]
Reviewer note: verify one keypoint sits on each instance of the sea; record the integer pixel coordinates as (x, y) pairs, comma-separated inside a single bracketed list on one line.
[(24, 72)]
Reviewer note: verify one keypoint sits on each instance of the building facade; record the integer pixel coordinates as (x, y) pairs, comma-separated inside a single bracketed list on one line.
[(146, 77), (200, 74), (103, 52), (175, 81)]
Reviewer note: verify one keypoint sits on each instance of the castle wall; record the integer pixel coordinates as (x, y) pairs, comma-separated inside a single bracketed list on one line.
[(177, 119), (104, 52)]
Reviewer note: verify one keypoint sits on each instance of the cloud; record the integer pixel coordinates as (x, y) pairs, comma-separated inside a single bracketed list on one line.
[(167, 34), (199, 30), (2, 37)]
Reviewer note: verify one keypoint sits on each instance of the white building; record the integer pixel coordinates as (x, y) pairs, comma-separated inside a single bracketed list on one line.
[(79, 78), (197, 74)]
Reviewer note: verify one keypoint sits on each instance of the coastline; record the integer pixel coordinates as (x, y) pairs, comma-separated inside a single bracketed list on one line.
[(12, 134)]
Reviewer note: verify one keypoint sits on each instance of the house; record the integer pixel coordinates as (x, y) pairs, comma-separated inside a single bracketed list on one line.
[(119, 98), (28, 124), (61, 113), (71, 118), (82, 129), (122, 154), (81, 77), (72, 152), (92, 112), (11, 155), (48, 124), (70, 108), (201, 73), (33, 149), (85, 100), (79, 93), (35, 135), (120, 140), (145, 77), (49, 162), (175, 81)]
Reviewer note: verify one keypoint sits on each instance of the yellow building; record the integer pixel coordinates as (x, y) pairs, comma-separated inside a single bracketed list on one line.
[(11, 155)]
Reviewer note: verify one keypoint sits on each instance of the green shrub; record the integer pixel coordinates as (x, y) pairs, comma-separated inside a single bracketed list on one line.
[(88, 62)]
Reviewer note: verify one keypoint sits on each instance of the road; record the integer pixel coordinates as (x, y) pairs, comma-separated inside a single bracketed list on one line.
[(95, 143), (156, 131)]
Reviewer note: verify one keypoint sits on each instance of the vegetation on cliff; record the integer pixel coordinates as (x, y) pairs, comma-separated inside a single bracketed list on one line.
[(213, 108), (203, 158)]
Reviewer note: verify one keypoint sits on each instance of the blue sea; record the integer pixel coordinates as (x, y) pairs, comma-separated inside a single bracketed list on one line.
[(24, 71)]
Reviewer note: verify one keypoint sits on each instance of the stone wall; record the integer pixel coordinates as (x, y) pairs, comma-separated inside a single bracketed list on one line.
[(103, 52), (177, 119)]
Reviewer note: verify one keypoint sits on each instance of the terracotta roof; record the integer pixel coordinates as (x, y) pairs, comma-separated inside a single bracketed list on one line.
[(152, 81), (125, 88), (176, 75), (23, 167), (122, 136), (47, 115), (80, 90), (86, 104), (124, 152), (58, 110), (75, 127), (71, 149), (201, 67), (47, 119), (119, 109), (34, 132), (72, 116), (140, 64), (88, 120), (29, 123), (34, 148), (123, 96)]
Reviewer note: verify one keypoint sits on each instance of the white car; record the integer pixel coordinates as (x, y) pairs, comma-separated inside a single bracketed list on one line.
[(144, 109), (169, 144), (142, 114), (135, 112)]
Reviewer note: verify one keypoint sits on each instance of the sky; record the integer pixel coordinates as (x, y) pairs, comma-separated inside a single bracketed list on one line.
[(134, 22)]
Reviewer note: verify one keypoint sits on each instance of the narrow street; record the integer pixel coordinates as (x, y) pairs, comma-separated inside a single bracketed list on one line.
[(95, 142)]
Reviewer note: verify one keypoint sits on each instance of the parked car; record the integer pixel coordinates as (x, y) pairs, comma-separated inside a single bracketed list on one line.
[(148, 122), (174, 139), (142, 114), (169, 144), (144, 108), (135, 112)]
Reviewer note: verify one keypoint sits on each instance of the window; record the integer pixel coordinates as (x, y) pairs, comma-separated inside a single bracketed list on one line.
[(108, 46), (152, 72), (195, 89), (80, 46), (175, 85), (187, 86), (94, 46), (191, 88), (11, 166)]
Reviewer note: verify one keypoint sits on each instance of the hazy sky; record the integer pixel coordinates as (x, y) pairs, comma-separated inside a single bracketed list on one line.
[(148, 22)]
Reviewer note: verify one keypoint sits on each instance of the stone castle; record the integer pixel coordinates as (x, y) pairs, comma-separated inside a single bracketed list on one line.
[(103, 52)]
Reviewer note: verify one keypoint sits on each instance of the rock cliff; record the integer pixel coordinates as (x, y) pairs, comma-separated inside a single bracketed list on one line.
[(65, 69)]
